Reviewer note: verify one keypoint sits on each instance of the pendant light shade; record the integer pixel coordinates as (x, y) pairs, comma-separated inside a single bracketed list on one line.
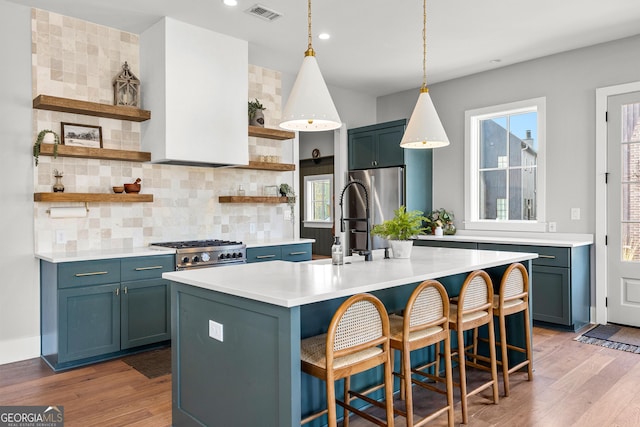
[(310, 107), (424, 129)]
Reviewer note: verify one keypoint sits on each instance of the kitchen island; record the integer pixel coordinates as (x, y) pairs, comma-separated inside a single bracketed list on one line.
[(237, 330)]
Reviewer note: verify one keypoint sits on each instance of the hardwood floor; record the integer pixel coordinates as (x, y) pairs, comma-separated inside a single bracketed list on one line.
[(574, 384)]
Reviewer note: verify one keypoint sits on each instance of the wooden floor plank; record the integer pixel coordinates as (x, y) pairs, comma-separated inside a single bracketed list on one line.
[(575, 384)]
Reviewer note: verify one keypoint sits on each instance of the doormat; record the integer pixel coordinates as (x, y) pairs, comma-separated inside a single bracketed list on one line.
[(617, 337), (151, 364)]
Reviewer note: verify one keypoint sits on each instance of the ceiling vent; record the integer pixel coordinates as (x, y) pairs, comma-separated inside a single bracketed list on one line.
[(263, 12)]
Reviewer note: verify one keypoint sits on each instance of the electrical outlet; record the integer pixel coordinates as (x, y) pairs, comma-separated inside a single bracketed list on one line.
[(552, 227), (216, 330), (252, 228), (575, 213), (61, 237), (287, 215)]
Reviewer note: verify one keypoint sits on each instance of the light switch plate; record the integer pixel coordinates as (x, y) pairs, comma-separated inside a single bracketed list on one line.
[(552, 227), (216, 330), (575, 213), (61, 237)]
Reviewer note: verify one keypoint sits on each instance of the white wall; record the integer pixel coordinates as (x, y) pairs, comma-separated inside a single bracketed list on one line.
[(568, 81), (19, 288)]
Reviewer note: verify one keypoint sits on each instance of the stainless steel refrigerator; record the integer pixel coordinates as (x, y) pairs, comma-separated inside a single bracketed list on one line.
[(386, 188)]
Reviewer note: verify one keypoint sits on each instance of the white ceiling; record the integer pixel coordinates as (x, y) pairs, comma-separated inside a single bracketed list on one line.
[(376, 45)]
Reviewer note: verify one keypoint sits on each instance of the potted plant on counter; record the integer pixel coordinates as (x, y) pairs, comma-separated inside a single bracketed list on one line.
[(400, 229), (440, 221)]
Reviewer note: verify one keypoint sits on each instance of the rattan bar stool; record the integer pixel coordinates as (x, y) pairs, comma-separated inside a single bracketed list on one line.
[(356, 341), (513, 298), (468, 311), (425, 322)]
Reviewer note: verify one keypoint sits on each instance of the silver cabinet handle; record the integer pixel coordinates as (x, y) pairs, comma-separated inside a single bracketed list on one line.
[(155, 267), (547, 256), (117, 291), (126, 290), (265, 256), (95, 273), (298, 253)]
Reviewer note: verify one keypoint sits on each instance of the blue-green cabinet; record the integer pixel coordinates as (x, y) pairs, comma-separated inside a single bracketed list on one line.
[(294, 252), (95, 310), (560, 280), (376, 146), (89, 321)]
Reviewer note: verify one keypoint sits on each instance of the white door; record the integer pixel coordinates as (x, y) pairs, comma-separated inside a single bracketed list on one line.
[(623, 209)]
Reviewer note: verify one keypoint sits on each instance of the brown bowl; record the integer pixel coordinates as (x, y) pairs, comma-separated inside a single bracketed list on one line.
[(118, 189), (132, 188)]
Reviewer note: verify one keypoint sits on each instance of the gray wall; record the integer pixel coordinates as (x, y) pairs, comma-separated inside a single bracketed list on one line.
[(19, 289), (568, 81)]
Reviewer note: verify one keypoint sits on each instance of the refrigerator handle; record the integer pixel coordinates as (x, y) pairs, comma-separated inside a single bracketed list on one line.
[(401, 186)]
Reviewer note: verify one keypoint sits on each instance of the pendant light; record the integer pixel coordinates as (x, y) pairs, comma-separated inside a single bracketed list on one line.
[(310, 107), (424, 129)]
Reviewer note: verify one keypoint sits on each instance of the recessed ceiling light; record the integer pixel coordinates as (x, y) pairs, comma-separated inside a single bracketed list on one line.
[(495, 61), (230, 2), (324, 36)]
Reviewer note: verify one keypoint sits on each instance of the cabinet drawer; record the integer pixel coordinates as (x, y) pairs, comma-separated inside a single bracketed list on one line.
[(268, 253), (547, 255), (297, 252), (146, 267), (83, 273)]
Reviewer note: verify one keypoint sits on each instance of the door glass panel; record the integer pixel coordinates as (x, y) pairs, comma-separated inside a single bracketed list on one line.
[(630, 185)]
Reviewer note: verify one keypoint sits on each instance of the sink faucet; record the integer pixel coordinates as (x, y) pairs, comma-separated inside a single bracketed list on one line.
[(367, 251)]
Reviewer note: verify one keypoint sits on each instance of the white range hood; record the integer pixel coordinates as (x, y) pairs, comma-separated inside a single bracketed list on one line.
[(195, 82)]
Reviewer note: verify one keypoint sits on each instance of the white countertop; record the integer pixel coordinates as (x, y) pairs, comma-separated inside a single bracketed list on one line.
[(537, 239), (290, 284), (102, 254), (143, 251)]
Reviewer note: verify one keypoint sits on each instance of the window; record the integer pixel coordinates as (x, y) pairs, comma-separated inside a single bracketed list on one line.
[(504, 189), (318, 203)]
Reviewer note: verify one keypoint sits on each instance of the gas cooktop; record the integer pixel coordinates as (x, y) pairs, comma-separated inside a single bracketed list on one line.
[(206, 253)]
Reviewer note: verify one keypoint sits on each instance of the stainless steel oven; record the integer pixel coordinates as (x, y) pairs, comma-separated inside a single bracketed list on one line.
[(206, 253)]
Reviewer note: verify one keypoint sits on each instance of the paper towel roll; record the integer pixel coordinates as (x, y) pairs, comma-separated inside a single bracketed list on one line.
[(68, 212)]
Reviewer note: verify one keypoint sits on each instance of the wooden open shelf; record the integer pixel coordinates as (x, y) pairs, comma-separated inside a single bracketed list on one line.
[(281, 167), (92, 197), (278, 134), (251, 199), (66, 105), (95, 153)]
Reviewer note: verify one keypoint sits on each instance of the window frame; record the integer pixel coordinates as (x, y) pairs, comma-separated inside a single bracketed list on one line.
[(471, 190), (308, 201)]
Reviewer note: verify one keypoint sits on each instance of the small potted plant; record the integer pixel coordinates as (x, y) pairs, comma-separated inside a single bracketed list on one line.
[(400, 229), (440, 222), (256, 117), (45, 136)]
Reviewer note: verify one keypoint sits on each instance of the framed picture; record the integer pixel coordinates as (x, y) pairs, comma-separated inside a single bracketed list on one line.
[(81, 135)]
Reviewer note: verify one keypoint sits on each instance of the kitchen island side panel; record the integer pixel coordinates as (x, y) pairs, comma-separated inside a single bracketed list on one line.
[(258, 359)]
